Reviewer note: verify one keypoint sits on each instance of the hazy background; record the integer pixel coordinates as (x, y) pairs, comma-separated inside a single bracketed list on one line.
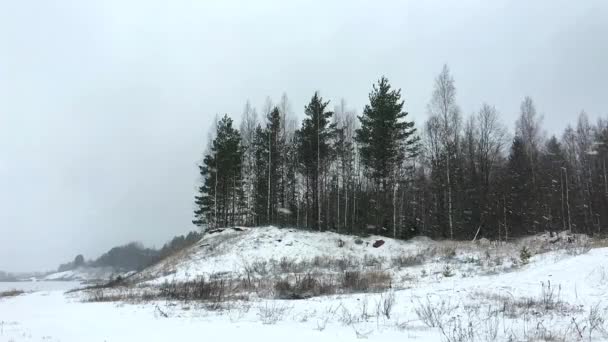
[(105, 105)]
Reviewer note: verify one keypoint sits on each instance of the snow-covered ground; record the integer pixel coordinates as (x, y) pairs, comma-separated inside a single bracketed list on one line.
[(486, 294), (36, 286), (84, 274)]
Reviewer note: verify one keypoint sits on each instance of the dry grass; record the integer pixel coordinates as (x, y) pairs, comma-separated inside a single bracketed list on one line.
[(216, 289), (409, 260), (432, 314), (11, 293), (547, 301)]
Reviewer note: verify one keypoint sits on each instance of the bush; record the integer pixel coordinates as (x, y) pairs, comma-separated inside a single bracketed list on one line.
[(282, 289), (524, 255), (432, 314), (447, 271), (11, 293), (355, 281), (407, 260), (385, 305), (304, 286), (272, 313)]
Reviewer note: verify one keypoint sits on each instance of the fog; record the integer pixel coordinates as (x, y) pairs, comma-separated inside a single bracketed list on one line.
[(105, 105)]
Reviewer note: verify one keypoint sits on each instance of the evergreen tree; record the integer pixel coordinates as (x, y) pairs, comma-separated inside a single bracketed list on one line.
[(520, 192), (314, 150), (553, 186), (385, 139), (260, 176), (275, 150), (219, 200)]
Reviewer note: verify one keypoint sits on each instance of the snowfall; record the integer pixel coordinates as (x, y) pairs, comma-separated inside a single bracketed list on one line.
[(458, 291)]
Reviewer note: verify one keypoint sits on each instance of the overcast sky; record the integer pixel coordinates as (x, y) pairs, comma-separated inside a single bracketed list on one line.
[(105, 105)]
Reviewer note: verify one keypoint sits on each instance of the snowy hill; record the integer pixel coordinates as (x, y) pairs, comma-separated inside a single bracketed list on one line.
[(238, 250), (84, 274), (437, 291), (233, 249)]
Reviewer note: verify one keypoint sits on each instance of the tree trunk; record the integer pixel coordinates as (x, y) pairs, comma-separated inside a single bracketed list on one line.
[(395, 187), (449, 197)]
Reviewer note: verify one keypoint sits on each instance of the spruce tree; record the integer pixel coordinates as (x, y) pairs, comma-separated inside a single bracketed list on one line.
[(519, 190)]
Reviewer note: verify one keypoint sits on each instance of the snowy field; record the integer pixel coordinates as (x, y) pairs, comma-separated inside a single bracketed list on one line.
[(438, 291), (35, 286)]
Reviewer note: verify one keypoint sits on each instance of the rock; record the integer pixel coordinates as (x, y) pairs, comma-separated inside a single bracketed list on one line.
[(358, 241), (378, 243)]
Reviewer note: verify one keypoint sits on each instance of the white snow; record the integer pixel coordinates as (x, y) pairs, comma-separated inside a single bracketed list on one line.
[(83, 274), (483, 273), (232, 250)]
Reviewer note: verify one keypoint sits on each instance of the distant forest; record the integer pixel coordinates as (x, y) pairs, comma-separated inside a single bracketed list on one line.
[(133, 256), (454, 176)]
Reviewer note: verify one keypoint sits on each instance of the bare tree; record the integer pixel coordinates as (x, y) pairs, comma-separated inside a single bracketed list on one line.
[(492, 139), (249, 122), (446, 118), (528, 128)]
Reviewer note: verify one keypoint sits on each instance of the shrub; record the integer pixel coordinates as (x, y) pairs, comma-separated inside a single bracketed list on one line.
[(355, 281), (432, 314), (385, 304), (260, 267), (272, 313), (524, 255), (447, 271), (407, 260), (282, 289), (448, 252), (11, 293), (303, 286)]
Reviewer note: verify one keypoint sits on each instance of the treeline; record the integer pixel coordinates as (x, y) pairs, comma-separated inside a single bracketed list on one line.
[(452, 177), (133, 256)]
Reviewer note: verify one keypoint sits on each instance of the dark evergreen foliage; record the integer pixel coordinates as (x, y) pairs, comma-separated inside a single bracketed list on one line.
[(219, 200)]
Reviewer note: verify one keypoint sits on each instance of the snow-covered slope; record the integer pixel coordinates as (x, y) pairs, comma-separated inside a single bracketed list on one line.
[(489, 297), (84, 274), (233, 249)]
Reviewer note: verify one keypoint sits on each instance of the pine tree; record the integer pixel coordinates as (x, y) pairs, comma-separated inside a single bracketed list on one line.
[(260, 176), (276, 149), (386, 139), (344, 151), (219, 200), (314, 150)]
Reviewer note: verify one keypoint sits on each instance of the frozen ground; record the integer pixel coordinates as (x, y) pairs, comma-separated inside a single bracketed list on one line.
[(83, 274), (487, 294), (35, 286)]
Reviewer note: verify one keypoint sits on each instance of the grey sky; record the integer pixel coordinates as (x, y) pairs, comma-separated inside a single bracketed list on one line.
[(105, 105)]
